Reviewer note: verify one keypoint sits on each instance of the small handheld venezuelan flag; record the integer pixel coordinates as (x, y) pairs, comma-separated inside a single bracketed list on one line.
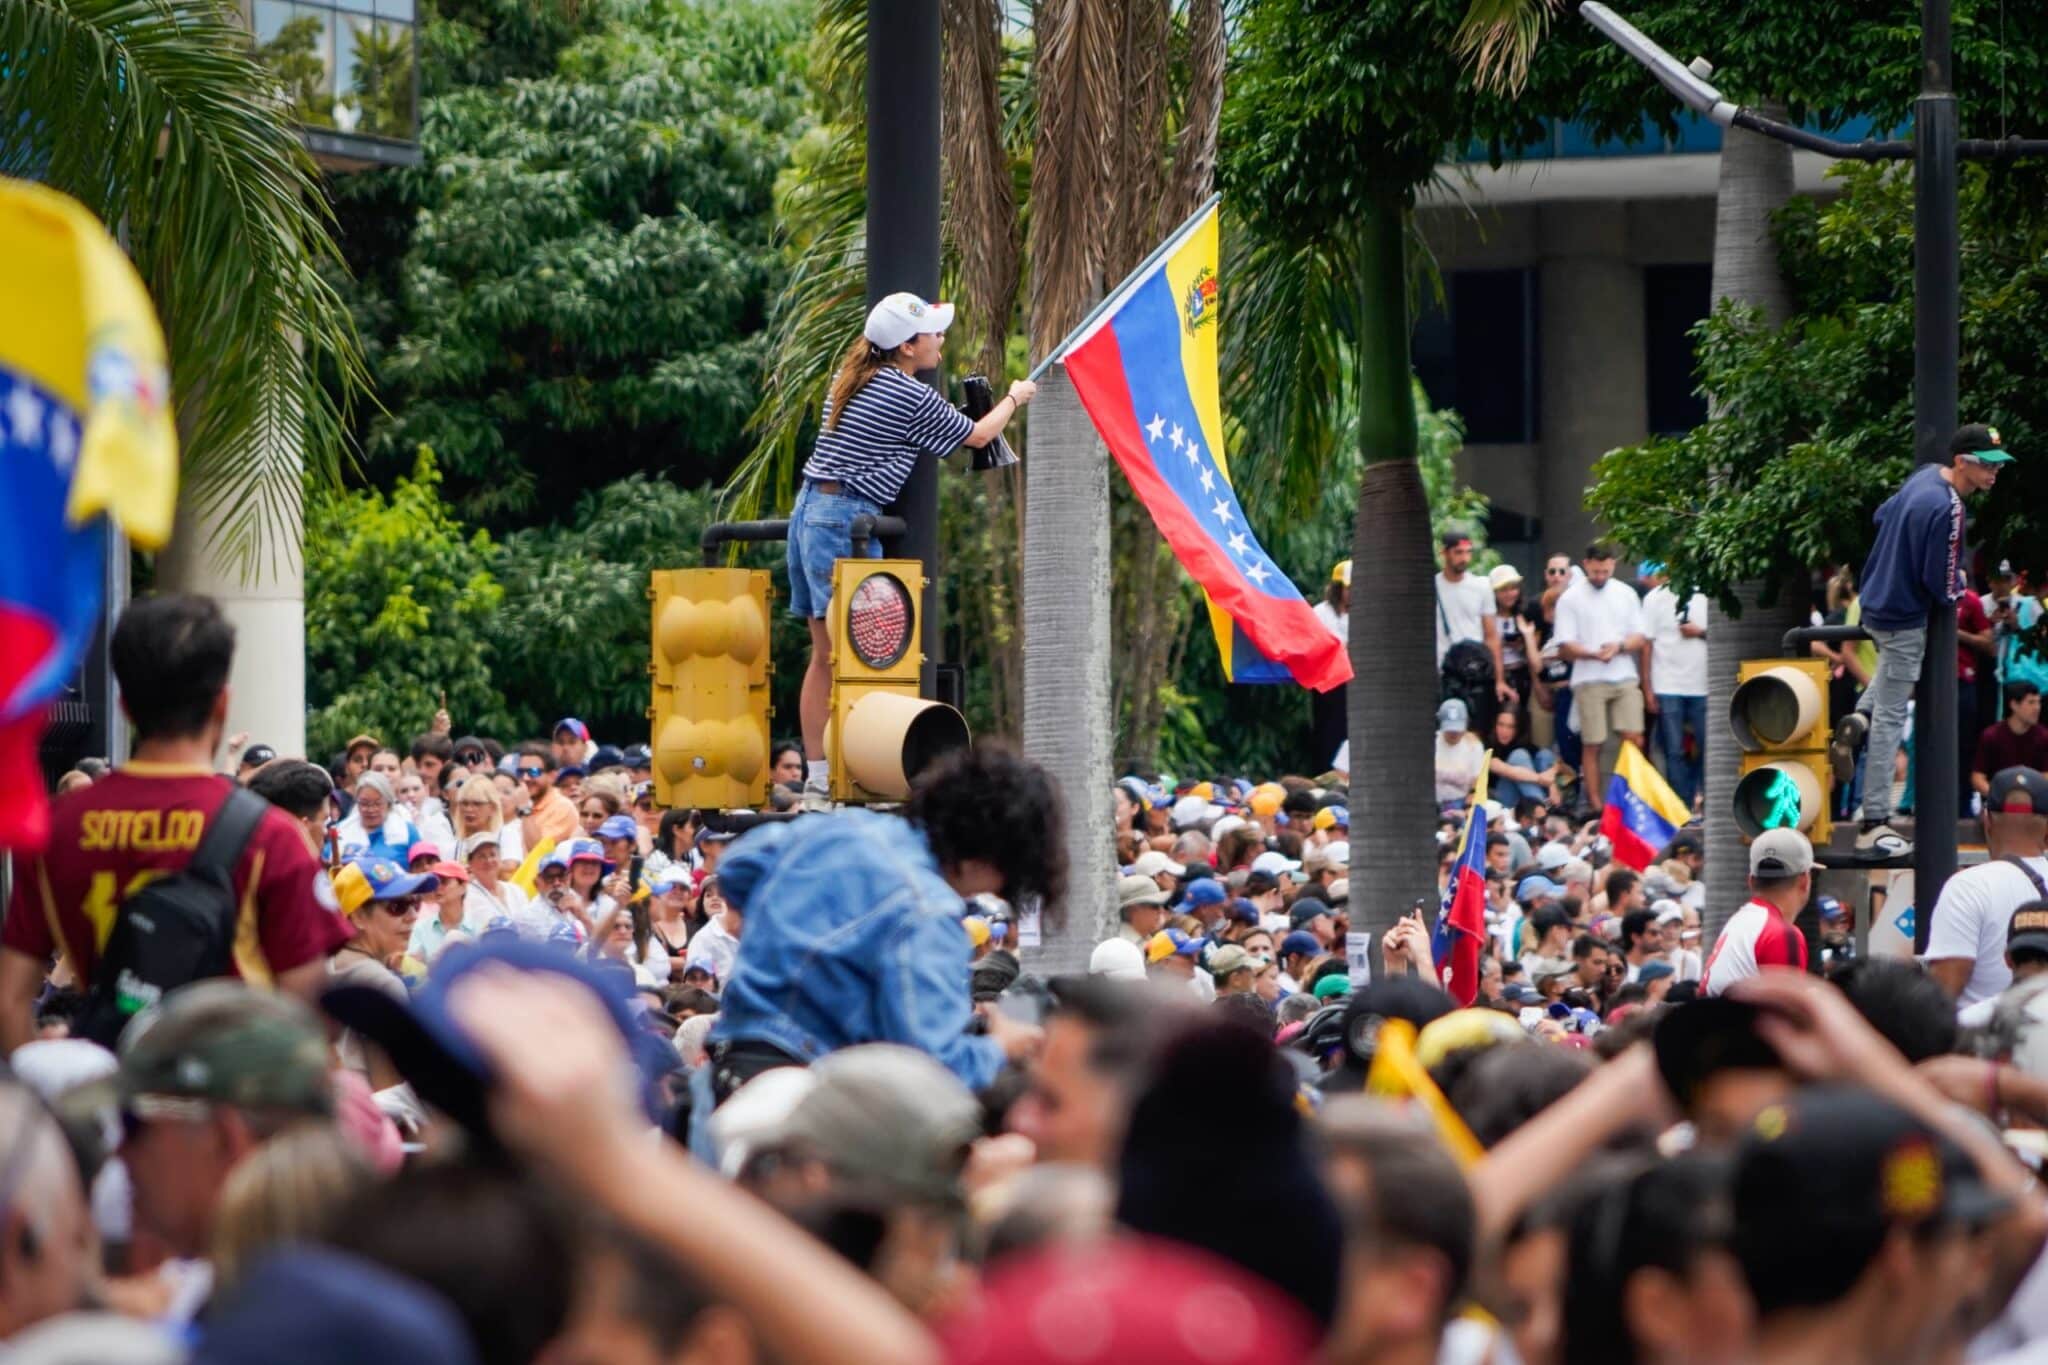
[(1145, 366), (86, 439), (1643, 814)]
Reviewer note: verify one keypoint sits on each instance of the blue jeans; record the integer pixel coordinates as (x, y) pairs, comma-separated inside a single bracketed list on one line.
[(1899, 653), (820, 535), (1508, 791), (1674, 713)]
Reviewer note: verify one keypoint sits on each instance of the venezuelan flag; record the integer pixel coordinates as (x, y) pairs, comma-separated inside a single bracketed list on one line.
[(1643, 813), (86, 439), (1461, 922), (1145, 368)]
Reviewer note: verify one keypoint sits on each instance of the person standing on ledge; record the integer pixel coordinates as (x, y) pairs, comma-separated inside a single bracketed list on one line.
[(878, 420), (1915, 566)]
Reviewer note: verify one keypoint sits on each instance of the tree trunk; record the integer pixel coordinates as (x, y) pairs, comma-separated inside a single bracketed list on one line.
[(1067, 720), (1393, 651), (1756, 180)]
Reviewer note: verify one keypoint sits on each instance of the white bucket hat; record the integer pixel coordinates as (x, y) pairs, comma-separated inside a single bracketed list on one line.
[(899, 317)]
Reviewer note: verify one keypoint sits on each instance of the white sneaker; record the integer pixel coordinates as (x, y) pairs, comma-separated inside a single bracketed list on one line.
[(1884, 841), (817, 798)]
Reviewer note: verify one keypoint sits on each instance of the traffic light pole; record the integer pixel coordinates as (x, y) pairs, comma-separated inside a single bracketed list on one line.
[(1936, 324), (903, 51)]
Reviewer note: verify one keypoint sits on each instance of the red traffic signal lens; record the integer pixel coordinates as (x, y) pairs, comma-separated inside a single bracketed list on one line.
[(879, 620)]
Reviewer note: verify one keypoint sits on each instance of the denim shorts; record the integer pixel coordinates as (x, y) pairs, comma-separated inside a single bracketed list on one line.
[(820, 534)]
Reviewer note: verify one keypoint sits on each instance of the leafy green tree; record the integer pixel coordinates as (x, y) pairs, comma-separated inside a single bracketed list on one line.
[(572, 635), (401, 610), (1815, 419), (572, 287)]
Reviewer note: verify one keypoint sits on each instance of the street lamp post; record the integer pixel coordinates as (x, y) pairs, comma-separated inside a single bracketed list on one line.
[(1936, 323)]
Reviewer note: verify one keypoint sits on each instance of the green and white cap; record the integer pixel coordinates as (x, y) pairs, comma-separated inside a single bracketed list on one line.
[(1980, 443)]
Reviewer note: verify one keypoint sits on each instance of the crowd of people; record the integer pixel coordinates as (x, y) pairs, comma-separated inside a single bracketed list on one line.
[(461, 1052), (454, 1049)]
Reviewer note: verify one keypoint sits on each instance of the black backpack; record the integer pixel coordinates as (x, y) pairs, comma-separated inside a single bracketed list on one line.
[(178, 929)]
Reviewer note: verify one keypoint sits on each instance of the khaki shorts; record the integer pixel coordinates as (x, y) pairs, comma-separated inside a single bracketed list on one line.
[(1608, 708)]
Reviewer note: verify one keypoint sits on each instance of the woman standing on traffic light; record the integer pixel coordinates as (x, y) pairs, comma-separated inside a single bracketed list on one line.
[(879, 421)]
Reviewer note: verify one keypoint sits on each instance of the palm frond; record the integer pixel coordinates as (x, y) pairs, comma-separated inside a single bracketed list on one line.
[(1293, 315), (821, 220), (1137, 135), (157, 115), (1068, 174), (1194, 156), (1499, 38), (981, 208)]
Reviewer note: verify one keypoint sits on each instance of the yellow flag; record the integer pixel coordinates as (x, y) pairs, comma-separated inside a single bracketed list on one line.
[(529, 870), (1397, 1074), (88, 336)]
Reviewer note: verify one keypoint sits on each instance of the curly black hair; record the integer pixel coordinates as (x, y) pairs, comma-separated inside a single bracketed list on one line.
[(991, 804)]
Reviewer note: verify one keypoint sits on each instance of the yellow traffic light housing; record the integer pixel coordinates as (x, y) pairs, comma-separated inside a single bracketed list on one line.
[(711, 667), (879, 733), (1779, 719)]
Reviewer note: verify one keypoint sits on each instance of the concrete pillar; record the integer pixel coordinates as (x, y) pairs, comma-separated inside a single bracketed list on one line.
[(1594, 398), (265, 598)]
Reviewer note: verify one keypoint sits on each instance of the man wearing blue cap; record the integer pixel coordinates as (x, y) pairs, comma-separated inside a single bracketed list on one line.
[(571, 743)]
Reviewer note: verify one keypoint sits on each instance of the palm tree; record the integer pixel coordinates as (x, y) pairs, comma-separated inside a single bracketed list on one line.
[(1755, 182), (1326, 164), (158, 116)]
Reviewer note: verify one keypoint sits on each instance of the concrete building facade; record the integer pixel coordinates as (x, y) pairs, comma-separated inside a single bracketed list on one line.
[(1571, 278)]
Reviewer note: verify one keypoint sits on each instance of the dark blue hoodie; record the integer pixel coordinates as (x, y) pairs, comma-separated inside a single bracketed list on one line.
[(1918, 558)]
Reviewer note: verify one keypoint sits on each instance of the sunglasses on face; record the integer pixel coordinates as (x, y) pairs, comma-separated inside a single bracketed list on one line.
[(531, 772), (471, 758)]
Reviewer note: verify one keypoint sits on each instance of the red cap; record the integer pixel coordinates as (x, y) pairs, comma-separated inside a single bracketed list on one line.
[(1131, 1301), (454, 872)]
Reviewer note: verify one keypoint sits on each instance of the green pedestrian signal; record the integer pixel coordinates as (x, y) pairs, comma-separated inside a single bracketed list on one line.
[(1781, 798)]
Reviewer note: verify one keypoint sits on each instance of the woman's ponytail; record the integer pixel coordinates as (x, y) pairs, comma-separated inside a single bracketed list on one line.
[(862, 361)]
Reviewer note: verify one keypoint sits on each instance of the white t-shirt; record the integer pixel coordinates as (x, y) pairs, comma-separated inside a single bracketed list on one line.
[(1338, 623), (1678, 663), (1590, 617), (1465, 605), (1457, 766), (715, 948), (1971, 918)]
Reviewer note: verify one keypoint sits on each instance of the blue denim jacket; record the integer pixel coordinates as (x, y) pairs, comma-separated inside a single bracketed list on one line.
[(851, 936)]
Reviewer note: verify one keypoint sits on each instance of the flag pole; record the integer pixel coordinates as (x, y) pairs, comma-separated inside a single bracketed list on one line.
[(1116, 295)]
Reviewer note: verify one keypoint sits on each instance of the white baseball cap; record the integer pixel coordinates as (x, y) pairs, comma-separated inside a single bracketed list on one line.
[(899, 317), (1118, 960), (1273, 863)]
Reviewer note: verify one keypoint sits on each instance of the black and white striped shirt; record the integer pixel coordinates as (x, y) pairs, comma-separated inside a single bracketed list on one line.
[(890, 422)]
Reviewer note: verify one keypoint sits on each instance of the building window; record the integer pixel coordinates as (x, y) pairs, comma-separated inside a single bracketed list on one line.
[(343, 64), (1675, 298), (1476, 352)]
